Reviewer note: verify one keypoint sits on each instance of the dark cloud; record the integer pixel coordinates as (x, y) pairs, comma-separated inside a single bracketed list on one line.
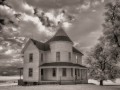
[(54, 4), (4, 56)]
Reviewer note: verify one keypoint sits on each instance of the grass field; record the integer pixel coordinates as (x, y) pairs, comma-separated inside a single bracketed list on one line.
[(61, 87), (9, 83)]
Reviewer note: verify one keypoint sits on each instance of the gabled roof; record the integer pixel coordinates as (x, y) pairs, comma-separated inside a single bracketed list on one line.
[(40, 45), (76, 51), (61, 64), (60, 36)]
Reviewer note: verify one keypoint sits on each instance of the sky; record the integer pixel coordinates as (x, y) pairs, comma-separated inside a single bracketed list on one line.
[(85, 28)]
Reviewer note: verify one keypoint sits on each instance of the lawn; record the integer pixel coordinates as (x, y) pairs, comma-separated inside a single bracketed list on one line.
[(11, 84), (61, 87)]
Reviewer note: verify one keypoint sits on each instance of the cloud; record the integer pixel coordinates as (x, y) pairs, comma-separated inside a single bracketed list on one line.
[(4, 56), (84, 30), (21, 6), (86, 6), (102, 1), (30, 26), (7, 12), (54, 4), (89, 41)]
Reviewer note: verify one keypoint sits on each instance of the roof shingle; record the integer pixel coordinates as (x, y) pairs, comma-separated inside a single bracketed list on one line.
[(61, 64)]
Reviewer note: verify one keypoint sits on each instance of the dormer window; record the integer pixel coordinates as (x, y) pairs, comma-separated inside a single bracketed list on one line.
[(57, 56), (31, 57)]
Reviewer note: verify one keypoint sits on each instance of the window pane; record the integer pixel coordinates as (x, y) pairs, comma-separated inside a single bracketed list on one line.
[(30, 72), (64, 72), (30, 57), (54, 72), (69, 56), (76, 59), (57, 56), (41, 71), (41, 57)]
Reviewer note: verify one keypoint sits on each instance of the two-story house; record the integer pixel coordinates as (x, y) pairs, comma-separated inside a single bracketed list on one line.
[(56, 60)]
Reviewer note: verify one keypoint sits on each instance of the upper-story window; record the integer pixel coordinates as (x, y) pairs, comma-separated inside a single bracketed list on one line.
[(54, 72), (76, 58), (31, 57), (30, 72), (69, 56), (57, 56), (41, 57)]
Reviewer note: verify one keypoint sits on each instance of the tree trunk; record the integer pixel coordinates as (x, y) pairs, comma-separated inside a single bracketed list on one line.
[(101, 82)]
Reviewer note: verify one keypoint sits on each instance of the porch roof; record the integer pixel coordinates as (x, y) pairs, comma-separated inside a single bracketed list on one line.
[(61, 64)]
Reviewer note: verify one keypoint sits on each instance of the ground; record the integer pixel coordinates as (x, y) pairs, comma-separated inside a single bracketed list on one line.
[(61, 87), (10, 83)]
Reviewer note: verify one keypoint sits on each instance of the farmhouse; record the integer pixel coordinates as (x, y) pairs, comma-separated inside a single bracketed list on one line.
[(55, 61)]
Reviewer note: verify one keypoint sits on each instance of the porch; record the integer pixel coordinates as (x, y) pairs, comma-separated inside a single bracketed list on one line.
[(59, 74)]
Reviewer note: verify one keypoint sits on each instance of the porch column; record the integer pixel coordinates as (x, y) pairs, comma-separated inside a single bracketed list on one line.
[(39, 74), (86, 74), (81, 74), (74, 74)]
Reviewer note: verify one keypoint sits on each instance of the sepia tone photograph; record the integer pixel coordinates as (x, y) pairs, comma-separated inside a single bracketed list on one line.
[(59, 44)]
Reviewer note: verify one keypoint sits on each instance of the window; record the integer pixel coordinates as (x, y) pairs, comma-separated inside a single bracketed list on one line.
[(31, 57), (41, 72), (57, 56), (30, 72), (41, 57), (76, 59), (54, 72), (69, 56), (64, 72), (78, 72), (72, 72)]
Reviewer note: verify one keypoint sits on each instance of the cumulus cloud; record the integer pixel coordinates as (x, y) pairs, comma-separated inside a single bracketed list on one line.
[(21, 6), (85, 6), (7, 12)]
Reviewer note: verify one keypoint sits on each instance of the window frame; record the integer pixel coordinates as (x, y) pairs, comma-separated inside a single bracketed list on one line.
[(57, 56), (31, 57), (30, 72), (54, 72), (69, 56), (42, 72), (76, 57), (42, 57)]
